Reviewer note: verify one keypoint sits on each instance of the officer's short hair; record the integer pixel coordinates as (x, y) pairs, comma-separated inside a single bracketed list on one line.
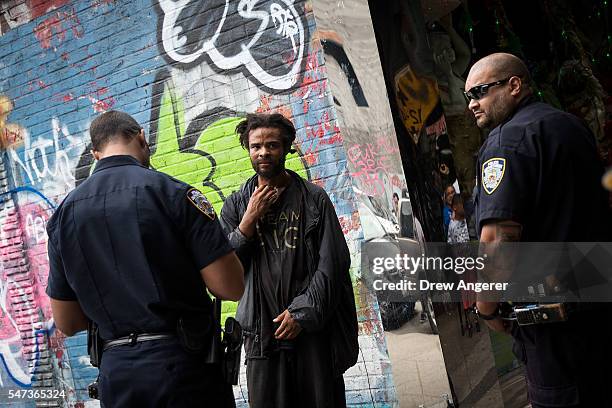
[(270, 120), (111, 125)]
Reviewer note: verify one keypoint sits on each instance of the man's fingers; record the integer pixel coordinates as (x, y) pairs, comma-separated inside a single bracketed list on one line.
[(279, 317), (270, 193), (261, 190), (288, 333), (281, 331), (293, 334), (269, 198), (283, 324), (291, 328), (283, 335)]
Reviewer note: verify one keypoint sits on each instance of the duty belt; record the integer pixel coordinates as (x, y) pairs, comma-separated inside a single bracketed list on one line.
[(135, 338), (548, 313)]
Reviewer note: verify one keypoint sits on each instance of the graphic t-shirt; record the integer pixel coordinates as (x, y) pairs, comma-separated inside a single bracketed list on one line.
[(281, 269)]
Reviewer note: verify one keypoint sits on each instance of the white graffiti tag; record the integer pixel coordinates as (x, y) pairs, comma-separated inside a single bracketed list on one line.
[(191, 29), (45, 161), (287, 26)]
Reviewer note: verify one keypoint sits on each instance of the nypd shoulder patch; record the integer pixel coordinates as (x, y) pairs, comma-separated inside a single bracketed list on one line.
[(493, 173), (200, 202)]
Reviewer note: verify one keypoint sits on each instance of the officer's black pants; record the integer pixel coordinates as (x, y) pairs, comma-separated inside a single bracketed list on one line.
[(160, 374), (567, 364)]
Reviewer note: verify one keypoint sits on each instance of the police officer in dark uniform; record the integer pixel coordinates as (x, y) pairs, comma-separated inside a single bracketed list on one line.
[(539, 181), (134, 251)]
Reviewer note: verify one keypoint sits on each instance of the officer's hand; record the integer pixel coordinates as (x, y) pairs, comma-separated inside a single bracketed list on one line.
[(288, 328), (261, 200)]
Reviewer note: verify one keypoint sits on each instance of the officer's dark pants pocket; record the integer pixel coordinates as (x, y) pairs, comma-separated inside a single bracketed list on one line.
[(558, 397), (560, 390), (160, 374)]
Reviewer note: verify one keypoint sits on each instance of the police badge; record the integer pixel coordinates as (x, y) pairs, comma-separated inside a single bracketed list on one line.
[(201, 203), (492, 173)]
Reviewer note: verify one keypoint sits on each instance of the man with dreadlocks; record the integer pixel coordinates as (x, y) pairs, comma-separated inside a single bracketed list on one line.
[(298, 311)]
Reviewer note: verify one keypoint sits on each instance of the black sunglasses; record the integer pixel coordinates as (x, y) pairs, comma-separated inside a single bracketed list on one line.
[(478, 91)]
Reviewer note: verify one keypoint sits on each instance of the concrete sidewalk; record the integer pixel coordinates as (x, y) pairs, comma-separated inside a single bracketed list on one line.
[(417, 364)]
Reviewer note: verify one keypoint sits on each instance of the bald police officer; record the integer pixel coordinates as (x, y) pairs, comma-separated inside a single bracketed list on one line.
[(539, 181), (134, 250)]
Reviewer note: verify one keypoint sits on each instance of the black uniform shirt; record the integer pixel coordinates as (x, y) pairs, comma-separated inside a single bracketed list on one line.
[(128, 244), (540, 168)]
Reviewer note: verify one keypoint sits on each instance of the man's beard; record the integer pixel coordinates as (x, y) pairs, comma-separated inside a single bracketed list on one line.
[(498, 112), (273, 170)]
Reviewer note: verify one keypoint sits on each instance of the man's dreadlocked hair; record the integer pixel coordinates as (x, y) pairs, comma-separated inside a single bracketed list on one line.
[(268, 120)]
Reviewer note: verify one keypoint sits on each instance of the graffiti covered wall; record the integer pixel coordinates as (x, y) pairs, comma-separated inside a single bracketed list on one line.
[(187, 71)]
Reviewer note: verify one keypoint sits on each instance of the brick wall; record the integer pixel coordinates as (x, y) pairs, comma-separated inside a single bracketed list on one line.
[(63, 62)]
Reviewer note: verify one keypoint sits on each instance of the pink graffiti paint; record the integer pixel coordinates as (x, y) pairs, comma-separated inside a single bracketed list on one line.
[(65, 56), (62, 97), (33, 221), (75, 23), (396, 182), (312, 84), (345, 224), (266, 106), (11, 137), (42, 7), (10, 248), (369, 161), (329, 126), (316, 132), (103, 105), (7, 328), (311, 158), (47, 29), (264, 103), (305, 105), (98, 3), (24, 307), (51, 32)]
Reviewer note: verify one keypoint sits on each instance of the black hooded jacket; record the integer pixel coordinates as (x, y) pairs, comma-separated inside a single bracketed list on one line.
[(325, 300)]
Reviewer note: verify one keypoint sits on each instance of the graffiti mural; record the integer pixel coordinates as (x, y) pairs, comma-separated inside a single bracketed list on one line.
[(191, 144), (271, 52), (373, 163), (25, 314), (187, 71)]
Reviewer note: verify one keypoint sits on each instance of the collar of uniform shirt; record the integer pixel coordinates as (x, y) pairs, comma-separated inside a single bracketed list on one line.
[(113, 161), (524, 102)]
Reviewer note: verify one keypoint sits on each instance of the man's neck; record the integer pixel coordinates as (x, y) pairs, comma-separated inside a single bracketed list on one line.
[(280, 180), (118, 149)]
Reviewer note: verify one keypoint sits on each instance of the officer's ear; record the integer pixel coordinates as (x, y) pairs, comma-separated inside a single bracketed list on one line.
[(141, 138), (516, 85), (95, 154)]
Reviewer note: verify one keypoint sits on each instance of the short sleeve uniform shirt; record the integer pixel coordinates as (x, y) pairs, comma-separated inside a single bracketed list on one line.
[(128, 245), (540, 168)]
